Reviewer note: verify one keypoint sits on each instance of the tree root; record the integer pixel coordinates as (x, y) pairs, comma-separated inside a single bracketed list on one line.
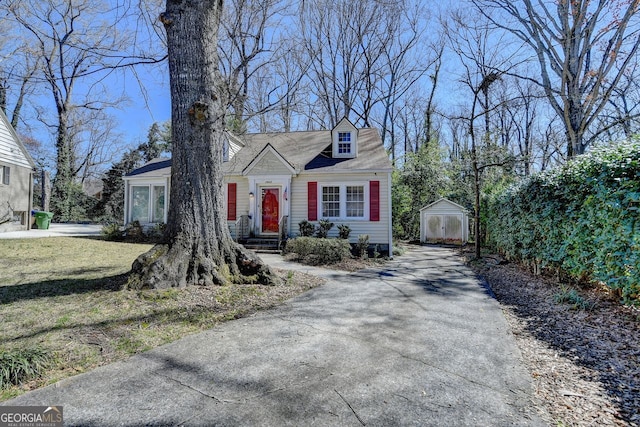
[(177, 266)]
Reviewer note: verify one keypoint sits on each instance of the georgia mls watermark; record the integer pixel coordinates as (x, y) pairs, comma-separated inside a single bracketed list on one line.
[(31, 416)]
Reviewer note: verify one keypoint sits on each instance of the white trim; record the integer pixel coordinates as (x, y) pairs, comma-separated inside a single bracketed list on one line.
[(344, 126), (268, 149), (344, 172), (447, 201), (259, 207), (15, 160), (343, 200), (150, 184), (256, 183)]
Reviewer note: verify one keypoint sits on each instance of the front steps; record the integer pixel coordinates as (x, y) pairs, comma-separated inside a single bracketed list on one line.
[(262, 244)]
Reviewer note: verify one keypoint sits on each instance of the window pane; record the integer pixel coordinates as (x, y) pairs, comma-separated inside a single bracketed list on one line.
[(140, 204), (330, 202), (344, 148), (5, 175), (344, 142), (344, 136), (158, 203), (355, 201)]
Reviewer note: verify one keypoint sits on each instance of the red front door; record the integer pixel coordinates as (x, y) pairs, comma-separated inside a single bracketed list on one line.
[(270, 210)]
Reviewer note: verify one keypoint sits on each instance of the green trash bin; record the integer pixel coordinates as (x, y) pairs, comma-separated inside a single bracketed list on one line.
[(43, 219)]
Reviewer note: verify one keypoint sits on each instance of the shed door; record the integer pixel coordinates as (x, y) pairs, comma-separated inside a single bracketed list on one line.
[(452, 227), (435, 228), (444, 227)]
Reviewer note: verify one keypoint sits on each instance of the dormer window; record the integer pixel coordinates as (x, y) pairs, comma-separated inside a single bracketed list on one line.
[(345, 140)]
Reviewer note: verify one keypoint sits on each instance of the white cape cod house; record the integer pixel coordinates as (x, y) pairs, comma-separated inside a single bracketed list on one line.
[(16, 180), (273, 181)]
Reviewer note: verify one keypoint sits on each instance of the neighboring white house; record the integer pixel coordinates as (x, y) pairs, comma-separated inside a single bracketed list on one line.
[(273, 181), (16, 180), (444, 222)]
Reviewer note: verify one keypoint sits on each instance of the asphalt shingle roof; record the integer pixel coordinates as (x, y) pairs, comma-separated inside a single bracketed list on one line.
[(305, 151)]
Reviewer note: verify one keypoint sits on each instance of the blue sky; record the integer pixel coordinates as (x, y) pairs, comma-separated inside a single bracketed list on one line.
[(140, 112)]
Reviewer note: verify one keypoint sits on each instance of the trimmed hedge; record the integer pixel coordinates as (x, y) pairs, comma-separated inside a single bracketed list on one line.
[(583, 218), (317, 251)]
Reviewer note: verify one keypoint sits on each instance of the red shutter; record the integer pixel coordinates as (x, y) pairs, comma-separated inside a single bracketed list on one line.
[(374, 200), (232, 189), (312, 198)]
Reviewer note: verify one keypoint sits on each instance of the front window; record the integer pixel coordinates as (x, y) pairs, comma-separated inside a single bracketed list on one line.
[(140, 204), (330, 202), (158, 203), (355, 201), (343, 201), (147, 203)]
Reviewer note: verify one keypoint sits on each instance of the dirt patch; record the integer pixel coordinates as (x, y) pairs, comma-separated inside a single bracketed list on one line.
[(98, 324), (580, 345)]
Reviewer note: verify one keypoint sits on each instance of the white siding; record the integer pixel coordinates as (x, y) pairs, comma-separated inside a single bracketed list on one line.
[(10, 151), (269, 164), (378, 231), (15, 198), (242, 194)]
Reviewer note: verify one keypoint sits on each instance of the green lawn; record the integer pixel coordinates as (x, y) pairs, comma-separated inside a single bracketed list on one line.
[(63, 296)]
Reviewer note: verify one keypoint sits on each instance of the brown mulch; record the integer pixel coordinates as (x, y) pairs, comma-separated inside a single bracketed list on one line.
[(585, 362)]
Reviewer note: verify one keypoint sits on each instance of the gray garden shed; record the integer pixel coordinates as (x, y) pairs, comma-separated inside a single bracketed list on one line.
[(444, 222)]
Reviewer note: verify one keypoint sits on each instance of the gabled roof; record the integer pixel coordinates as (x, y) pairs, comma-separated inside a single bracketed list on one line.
[(306, 150), (443, 201), (299, 152), (12, 150), (268, 149)]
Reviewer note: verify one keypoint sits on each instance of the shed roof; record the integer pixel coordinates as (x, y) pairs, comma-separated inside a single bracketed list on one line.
[(442, 202)]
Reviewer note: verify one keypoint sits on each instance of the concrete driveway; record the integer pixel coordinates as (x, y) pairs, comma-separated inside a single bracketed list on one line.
[(55, 230), (419, 342)]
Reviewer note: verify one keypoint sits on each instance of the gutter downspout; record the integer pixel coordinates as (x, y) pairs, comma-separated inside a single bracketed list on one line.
[(31, 192)]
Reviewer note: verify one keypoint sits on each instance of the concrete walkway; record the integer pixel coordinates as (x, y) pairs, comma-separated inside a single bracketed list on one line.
[(419, 342), (55, 230)]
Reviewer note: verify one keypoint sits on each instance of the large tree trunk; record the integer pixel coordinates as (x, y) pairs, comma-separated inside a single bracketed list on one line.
[(197, 247)]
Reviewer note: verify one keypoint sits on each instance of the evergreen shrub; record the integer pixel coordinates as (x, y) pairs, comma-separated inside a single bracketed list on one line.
[(582, 218), (316, 251), (343, 231), (324, 225), (306, 228)]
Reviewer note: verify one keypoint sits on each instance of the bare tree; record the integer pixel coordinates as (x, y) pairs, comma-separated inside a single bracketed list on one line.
[(345, 42), (483, 60), (247, 45), (583, 48), (18, 65), (197, 247), (77, 43), (406, 58), (621, 117)]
